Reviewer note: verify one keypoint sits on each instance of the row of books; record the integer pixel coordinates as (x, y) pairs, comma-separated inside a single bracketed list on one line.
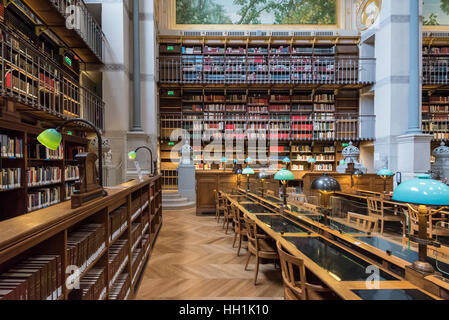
[(11, 147), (39, 277), (257, 100), (324, 97), (254, 109), (302, 158), (214, 107), (92, 286), (302, 148), (298, 167), (117, 259), (121, 288), (43, 198), (71, 172), (439, 99), (279, 108), (69, 190), (325, 157), (39, 176), (42, 153), (136, 234), (85, 244), (324, 107), (323, 126), (10, 178), (323, 167), (118, 222), (436, 50), (436, 108), (214, 98)]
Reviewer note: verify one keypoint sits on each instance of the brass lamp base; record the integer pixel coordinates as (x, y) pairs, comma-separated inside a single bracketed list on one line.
[(423, 267)]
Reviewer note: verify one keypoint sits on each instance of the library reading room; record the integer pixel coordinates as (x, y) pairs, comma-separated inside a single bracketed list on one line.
[(206, 150)]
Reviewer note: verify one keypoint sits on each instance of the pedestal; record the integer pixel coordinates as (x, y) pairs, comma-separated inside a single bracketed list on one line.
[(187, 181), (413, 154)]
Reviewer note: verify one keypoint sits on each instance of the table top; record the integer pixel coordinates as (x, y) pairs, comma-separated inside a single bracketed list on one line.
[(343, 270)]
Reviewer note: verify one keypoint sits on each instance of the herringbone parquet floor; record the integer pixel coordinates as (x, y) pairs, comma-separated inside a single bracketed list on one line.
[(194, 259)]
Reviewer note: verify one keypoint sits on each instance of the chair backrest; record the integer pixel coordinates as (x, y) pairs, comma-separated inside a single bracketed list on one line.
[(251, 228), (413, 218), (375, 206), (362, 222), (289, 264)]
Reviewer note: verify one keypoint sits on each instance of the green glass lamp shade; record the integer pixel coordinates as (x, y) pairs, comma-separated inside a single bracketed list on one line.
[(385, 172), (311, 160), (422, 191), (286, 160), (248, 170), (342, 162), (248, 160), (357, 172), (284, 175), (224, 159), (51, 138), (132, 155), (325, 183)]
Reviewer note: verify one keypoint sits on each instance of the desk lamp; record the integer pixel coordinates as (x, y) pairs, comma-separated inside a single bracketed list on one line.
[(262, 175), (423, 192), (248, 171), (311, 161), (223, 161), (325, 185), (238, 171), (51, 138), (283, 176), (384, 174), (357, 173), (133, 154), (286, 161)]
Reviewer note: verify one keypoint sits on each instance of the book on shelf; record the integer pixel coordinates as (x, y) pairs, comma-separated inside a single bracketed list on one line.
[(10, 178), (71, 172), (85, 245), (41, 152), (325, 157), (121, 288), (439, 99), (11, 147), (38, 277), (323, 167), (39, 176), (302, 148), (92, 286), (69, 189), (118, 256), (118, 222), (42, 198), (324, 98)]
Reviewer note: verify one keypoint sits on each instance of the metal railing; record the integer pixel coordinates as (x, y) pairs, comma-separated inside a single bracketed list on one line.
[(295, 127), (435, 70), (204, 69), (32, 78), (438, 126), (88, 28)]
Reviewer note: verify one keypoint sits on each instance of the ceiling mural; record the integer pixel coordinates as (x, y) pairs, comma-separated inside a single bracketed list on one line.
[(257, 12)]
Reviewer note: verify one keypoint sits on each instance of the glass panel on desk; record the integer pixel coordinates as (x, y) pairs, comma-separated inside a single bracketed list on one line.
[(280, 224), (340, 264), (255, 208), (392, 294), (441, 255)]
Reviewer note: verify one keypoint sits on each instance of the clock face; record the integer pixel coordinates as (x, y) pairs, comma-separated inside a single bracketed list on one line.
[(368, 13)]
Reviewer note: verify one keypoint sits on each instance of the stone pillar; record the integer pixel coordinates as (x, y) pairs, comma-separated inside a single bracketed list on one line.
[(116, 84), (397, 147)]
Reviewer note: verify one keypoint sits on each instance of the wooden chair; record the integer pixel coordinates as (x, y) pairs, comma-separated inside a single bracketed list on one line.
[(293, 289), (228, 215), (239, 227), (219, 205), (376, 209), (259, 245), (363, 223), (432, 228)]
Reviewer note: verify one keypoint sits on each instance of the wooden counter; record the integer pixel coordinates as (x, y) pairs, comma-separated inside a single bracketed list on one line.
[(45, 231), (369, 182), (209, 180)]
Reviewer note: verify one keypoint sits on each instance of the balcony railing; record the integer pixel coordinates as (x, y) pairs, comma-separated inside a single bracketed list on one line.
[(265, 70), (307, 127), (30, 77), (436, 125), (88, 29), (435, 70)]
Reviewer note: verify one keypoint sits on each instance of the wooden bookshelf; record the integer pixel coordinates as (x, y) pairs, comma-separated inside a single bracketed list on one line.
[(126, 224), (16, 200)]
